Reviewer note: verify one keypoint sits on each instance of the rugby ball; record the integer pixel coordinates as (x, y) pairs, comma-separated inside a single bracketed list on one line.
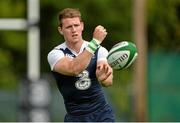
[(122, 55)]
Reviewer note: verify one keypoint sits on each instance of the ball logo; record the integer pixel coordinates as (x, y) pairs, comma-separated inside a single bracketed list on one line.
[(84, 81), (119, 60)]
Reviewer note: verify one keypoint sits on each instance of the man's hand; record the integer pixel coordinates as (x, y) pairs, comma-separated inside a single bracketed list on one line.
[(99, 33), (104, 74)]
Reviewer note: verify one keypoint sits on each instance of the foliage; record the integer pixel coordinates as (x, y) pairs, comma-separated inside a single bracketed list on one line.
[(164, 25), (12, 8), (12, 55)]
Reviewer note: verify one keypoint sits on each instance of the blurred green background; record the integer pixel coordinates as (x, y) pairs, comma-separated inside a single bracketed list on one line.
[(163, 70)]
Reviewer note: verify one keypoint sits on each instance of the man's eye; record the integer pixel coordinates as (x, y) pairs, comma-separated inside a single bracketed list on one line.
[(76, 25), (68, 27)]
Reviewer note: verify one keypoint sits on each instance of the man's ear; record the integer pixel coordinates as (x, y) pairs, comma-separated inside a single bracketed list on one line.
[(60, 30), (82, 25)]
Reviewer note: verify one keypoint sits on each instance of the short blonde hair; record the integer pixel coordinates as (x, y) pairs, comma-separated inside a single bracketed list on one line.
[(68, 13)]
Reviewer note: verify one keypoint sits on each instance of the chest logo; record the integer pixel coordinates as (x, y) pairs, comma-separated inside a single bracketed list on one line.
[(84, 81)]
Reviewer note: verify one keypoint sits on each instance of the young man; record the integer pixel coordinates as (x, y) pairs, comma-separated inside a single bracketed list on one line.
[(80, 69)]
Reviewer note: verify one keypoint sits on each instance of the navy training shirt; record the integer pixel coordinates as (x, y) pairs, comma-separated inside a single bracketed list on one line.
[(82, 94)]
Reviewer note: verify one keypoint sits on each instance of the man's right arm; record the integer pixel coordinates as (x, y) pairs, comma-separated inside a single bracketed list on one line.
[(74, 66)]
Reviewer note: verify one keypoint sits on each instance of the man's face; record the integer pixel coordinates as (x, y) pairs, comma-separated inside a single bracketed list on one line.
[(72, 29)]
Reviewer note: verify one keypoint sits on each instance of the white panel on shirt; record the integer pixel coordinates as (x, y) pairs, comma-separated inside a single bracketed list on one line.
[(102, 53), (54, 56)]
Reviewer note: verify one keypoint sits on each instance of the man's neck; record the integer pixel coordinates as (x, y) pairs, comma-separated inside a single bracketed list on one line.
[(75, 46)]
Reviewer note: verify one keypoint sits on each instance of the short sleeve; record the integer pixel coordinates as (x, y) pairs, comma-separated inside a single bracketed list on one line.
[(102, 53), (54, 56)]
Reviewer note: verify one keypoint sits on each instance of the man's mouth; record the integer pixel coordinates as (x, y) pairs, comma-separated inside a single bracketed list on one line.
[(74, 35)]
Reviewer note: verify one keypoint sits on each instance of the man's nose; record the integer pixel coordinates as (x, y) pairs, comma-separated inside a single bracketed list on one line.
[(73, 28)]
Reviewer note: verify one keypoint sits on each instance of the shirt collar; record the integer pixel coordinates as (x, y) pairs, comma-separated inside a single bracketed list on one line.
[(83, 46)]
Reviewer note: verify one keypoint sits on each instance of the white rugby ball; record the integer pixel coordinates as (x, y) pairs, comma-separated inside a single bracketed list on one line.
[(122, 55)]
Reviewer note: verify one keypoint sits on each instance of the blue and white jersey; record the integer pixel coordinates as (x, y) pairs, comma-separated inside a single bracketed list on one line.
[(82, 94)]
